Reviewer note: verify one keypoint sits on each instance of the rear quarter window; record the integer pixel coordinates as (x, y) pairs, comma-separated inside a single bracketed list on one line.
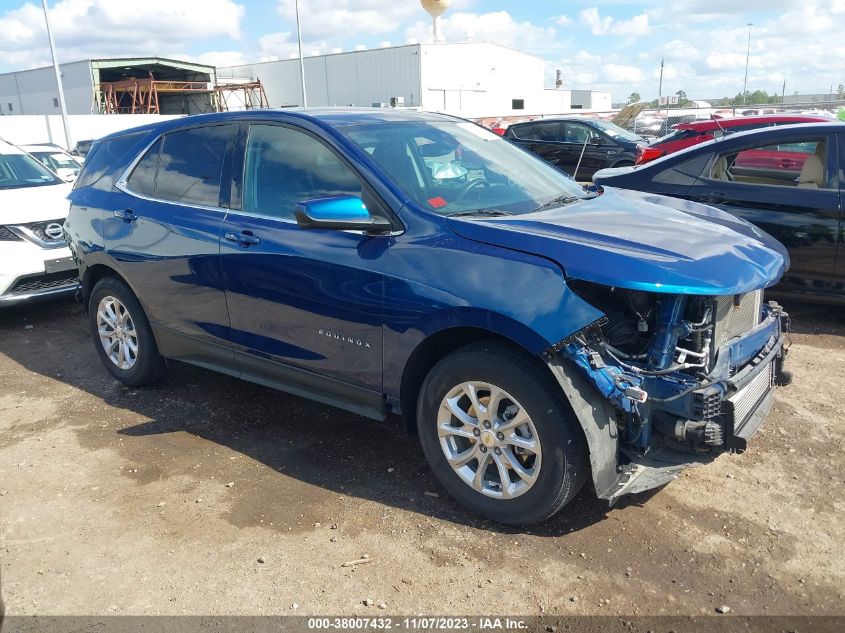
[(107, 160)]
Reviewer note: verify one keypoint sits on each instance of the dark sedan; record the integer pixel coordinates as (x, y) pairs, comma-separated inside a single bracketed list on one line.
[(786, 180), (577, 143)]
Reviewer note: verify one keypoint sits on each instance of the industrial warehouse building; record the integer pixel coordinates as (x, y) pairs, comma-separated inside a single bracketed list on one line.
[(183, 87), (469, 79)]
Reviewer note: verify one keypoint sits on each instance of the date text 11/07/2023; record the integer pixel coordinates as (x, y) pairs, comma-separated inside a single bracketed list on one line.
[(418, 623)]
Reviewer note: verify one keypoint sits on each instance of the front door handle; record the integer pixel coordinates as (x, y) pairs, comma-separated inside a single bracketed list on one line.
[(127, 215), (244, 238)]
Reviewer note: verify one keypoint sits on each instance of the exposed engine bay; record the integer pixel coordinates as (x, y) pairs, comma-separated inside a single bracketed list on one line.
[(687, 373)]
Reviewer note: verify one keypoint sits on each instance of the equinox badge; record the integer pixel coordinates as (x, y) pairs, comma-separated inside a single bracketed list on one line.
[(346, 339)]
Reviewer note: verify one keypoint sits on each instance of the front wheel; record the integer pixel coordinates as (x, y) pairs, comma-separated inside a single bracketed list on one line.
[(499, 435), (122, 334)]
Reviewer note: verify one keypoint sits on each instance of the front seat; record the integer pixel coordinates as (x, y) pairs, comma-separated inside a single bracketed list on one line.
[(812, 173), (720, 169)]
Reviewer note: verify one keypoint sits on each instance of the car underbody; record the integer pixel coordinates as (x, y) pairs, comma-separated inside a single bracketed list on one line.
[(683, 379)]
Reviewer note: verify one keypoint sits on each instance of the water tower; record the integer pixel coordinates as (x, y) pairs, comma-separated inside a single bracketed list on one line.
[(435, 9)]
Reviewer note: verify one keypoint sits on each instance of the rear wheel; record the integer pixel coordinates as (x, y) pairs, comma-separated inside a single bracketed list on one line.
[(499, 435), (122, 334)]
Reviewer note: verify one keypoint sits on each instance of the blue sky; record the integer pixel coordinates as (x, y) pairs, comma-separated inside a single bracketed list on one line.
[(614, 45)]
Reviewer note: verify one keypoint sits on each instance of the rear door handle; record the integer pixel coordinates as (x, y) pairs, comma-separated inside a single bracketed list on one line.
[(244, 238), (127, 215)]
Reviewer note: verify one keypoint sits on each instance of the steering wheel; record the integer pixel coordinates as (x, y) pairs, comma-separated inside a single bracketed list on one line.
[(472, 185)]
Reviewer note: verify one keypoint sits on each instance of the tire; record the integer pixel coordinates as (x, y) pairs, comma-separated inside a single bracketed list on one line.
[(112, 298), (556, 473)]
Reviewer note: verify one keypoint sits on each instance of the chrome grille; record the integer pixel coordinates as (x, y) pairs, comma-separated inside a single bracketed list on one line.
[(38, 229), (6, 235), (734, 320), (745, 400)]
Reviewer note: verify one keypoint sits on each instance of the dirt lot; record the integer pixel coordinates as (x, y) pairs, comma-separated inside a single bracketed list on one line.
[(206, 495)]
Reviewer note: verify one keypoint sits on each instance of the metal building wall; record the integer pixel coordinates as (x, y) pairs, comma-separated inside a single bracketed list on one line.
[(358, 78), (34, 91)]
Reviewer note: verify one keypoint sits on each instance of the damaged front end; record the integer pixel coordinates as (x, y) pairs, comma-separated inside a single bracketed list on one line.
[(684, 379)]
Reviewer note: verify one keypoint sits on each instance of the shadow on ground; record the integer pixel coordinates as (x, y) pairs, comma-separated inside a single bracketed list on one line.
[(318, 445)]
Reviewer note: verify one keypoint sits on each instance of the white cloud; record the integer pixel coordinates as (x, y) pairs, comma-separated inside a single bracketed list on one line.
[(562, 20), (618, 73), (598, 25), (497, 26), (96, 28), (331, 18), (607, 25)]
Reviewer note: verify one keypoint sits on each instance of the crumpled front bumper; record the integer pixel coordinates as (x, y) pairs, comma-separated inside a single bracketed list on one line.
[(749, 371), (738, 392)]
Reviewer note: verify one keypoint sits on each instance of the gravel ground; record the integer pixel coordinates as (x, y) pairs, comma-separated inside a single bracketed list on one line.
[(207, 495)]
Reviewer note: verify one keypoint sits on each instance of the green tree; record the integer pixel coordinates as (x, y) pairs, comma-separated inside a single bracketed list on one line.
[(682, 98), (634, 98)]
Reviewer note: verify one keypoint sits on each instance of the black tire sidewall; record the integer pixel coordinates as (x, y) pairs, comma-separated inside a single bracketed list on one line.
[(150, 364), (563, 469)]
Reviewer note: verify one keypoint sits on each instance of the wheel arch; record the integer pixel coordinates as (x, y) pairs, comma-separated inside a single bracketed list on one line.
[(430, 351)]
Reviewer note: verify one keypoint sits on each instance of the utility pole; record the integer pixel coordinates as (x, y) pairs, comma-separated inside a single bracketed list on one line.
[(660, 85), (747, 55), (58, 77), (783, 93), (301, 60)]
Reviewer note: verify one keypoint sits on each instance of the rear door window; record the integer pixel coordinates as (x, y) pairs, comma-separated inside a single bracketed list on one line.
[(191, 165), (184, 166), (539, 132)]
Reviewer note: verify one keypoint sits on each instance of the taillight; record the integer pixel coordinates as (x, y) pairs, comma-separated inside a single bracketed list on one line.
[(499, 130), (646, 154)]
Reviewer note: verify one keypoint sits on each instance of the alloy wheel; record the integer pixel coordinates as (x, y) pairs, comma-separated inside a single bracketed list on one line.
[(489, 440), (117, 332)]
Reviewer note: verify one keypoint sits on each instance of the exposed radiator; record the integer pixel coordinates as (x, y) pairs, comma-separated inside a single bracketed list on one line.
[(734, 320)]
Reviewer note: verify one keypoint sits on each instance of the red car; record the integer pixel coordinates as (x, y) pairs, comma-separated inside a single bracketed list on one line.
[(688, 134)]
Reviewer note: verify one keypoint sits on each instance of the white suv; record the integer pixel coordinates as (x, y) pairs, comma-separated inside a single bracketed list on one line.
[(64, 165), (34, 259)]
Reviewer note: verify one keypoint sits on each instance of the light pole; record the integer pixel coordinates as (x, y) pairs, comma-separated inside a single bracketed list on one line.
[(301, 60), (660, 85), (747, 54), (58, 77)]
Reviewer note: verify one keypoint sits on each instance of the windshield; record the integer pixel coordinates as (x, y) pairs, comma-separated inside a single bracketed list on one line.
[(21, 170), (54, 161), (614, 131), (460, 167)]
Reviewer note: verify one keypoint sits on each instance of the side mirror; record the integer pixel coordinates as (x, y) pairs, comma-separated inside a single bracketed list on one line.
[(341, 213)]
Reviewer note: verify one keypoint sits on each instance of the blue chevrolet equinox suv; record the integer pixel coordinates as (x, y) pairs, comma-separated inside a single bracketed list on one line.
[(536, 336)]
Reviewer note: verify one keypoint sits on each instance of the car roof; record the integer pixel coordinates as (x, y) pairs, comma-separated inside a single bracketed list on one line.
[(8, 148), (557, 119), (714, 124), (47, 147), (325, 117)]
